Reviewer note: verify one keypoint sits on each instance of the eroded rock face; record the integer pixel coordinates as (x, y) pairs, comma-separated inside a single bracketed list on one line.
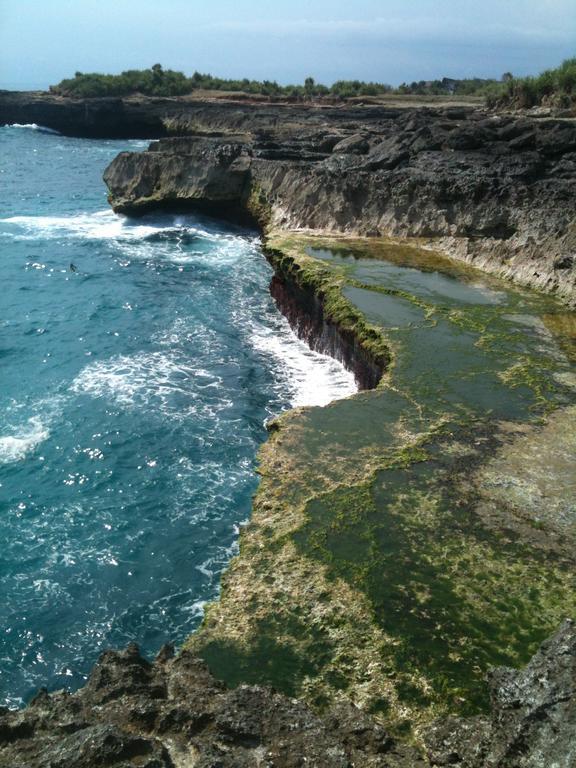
[(495, 191), (109, 117), (498, 192), (533, 719), (209, 174), (173, 714)]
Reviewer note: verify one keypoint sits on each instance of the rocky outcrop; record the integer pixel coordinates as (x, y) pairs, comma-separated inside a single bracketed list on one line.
[(533, 718), (151, 117), (172, 714), (201, 173), (497, 192), (91, 118)]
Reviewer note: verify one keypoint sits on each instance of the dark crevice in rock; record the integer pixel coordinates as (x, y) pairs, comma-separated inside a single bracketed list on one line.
[(305, 313)]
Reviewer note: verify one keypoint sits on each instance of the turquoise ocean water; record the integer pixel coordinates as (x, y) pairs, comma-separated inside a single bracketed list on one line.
[(133, 396)]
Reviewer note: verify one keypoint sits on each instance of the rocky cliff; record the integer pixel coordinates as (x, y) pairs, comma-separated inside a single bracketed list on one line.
[(153, 117), (495, 191), (172, 714)]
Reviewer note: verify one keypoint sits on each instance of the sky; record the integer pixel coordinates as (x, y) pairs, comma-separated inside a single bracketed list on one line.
[(391, 41)]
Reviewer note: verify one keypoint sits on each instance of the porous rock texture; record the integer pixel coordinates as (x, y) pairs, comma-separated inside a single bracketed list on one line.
[(496, 191), (533, 718), (173, 714)]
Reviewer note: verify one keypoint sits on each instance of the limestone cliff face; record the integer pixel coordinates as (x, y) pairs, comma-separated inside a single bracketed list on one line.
[(497, 192), (203, 173)]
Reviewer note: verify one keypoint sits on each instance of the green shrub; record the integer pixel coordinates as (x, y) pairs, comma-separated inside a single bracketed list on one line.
[(557, 86)]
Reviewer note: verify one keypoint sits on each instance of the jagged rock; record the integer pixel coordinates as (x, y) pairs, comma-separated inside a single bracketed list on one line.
[(495, 191), (498, 193), (355, 145), (213, 173), (135, 714), (533, 718)]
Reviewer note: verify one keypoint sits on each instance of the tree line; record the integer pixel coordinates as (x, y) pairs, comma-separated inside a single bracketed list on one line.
[(555, 86), (158, 81)]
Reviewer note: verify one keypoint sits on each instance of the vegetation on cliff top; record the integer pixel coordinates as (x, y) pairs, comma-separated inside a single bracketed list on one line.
[(553, 87), (157, 81)]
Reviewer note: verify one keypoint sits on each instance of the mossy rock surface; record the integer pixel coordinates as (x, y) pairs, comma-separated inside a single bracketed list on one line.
[(400, 543)]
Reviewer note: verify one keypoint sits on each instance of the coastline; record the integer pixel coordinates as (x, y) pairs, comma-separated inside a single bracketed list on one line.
[(386, 523), (284, 620), (313, 633)]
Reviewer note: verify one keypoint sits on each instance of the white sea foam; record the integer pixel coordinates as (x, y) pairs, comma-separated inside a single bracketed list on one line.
[(90, 226), (152, 379), (162, 238), (16, 446), (312, 377), (32, 127)]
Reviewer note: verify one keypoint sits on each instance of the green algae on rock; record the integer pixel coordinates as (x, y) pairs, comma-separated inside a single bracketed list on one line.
[(390, 559)]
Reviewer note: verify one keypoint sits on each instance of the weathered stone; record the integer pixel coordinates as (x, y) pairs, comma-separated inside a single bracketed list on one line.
[(355, 145), (196, 722), (498, 194), (533, 719), (532, 724)]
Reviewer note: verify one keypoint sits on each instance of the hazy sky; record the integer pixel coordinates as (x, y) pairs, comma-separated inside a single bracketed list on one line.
[(42, 41)]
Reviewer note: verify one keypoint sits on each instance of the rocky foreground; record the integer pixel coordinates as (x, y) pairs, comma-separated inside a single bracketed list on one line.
[(172, 714)]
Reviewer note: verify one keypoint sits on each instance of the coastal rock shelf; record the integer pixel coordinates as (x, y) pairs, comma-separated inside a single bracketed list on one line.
[(495, 191), (386, 523)]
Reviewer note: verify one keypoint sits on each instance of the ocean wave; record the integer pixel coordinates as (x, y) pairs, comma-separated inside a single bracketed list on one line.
[(154, 379), (17, 446), (33, 127), (160, 236), (312, 377), (101, 225)]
